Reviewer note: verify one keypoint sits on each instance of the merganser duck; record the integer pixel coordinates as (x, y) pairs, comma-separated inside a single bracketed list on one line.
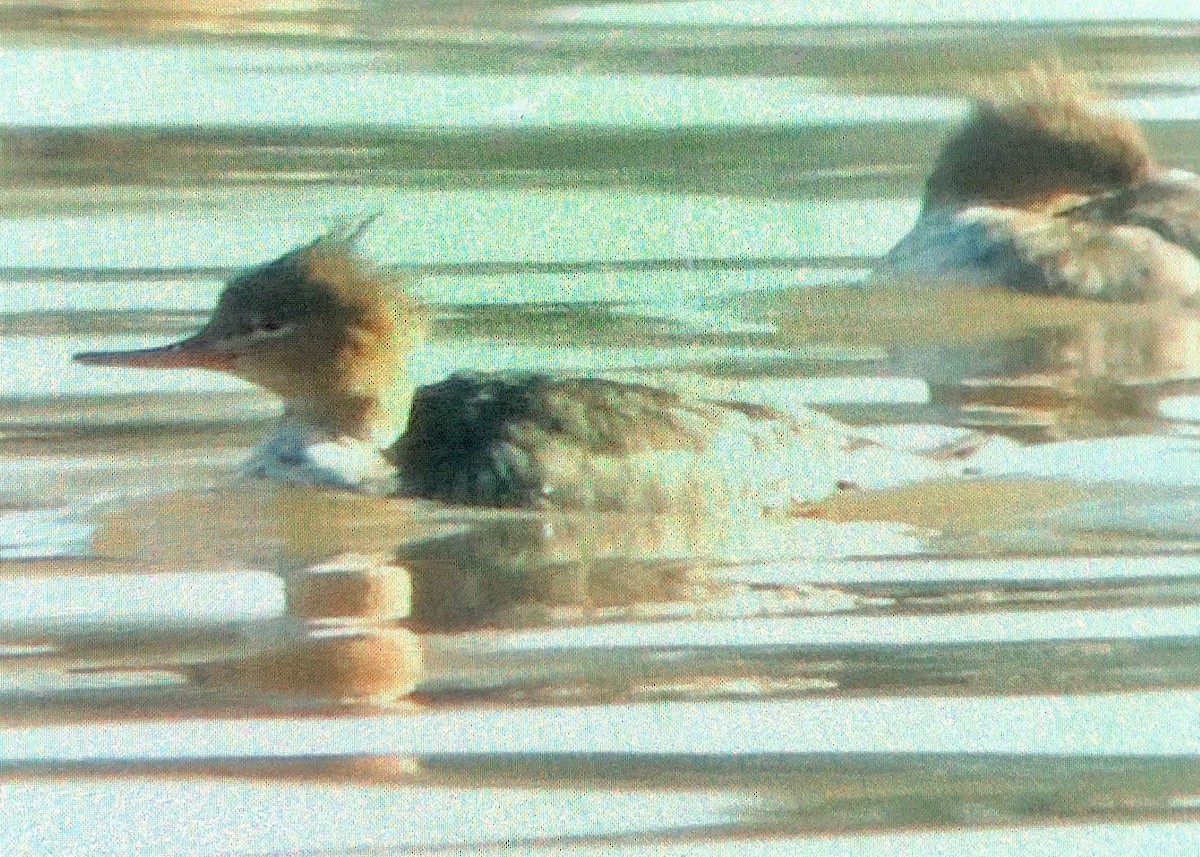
[(332, 334), (1040, 192)]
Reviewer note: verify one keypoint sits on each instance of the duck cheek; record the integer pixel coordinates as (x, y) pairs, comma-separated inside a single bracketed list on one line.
[(280, 380), (252, 370)]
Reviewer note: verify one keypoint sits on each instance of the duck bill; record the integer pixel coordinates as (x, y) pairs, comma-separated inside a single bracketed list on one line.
[(196, 352)]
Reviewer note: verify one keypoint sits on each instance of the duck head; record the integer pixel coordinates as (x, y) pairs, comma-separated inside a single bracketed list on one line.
[(1037, 142), (321, 327)]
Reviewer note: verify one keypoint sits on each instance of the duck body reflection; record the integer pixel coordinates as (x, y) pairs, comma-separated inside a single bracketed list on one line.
[(332, 335), (1040, 192)]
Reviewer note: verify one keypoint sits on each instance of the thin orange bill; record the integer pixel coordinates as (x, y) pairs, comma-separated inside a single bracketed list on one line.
[(193, 353)]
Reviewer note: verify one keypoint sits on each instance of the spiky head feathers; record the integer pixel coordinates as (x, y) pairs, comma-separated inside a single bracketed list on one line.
[(1033, 140)]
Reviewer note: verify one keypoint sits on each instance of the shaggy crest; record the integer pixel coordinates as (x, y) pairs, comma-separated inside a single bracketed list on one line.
[(326, 278), (333, 260), (1036, 141)]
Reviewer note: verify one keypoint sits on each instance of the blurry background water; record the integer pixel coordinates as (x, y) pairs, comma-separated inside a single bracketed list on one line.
[(688, 192)]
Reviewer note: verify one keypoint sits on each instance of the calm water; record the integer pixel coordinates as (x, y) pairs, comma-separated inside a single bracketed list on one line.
[(994, 653)]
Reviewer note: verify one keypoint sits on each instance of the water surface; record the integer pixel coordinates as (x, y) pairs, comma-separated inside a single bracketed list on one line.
[(993, 652)]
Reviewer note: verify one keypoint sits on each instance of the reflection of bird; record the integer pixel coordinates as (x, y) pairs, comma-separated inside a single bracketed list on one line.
[(332, 335), (1041, 193), (346, 664)]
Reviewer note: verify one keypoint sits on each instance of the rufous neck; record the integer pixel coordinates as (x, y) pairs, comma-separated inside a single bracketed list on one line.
[(376, 418)]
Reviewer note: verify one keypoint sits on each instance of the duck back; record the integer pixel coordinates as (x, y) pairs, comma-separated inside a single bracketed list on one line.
[(530, 440)]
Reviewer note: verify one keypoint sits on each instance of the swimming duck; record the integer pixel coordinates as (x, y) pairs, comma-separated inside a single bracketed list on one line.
[(332, 335), (1041, 192)]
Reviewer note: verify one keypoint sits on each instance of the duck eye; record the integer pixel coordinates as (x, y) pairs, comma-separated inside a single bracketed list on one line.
[(257, 325)]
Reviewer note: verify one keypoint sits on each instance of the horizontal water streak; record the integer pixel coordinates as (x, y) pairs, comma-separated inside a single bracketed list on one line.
[(464, 227), (184, 86), (952, 571), (191, 817), (191, 296), (972, 627), (1053, 724), (169, 598), (1096, 839), (782, 13)]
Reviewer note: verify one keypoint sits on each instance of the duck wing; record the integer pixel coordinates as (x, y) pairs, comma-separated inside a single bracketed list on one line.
[(1169, 206), (585, 443)]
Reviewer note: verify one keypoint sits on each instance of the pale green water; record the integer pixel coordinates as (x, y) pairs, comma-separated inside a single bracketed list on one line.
[(992, 667)]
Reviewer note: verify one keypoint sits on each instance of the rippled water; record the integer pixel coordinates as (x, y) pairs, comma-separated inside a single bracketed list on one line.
[(993, 654)]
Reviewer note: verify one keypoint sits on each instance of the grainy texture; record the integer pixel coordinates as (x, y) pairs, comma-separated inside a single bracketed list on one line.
[(532, 440), (1042, 192)]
